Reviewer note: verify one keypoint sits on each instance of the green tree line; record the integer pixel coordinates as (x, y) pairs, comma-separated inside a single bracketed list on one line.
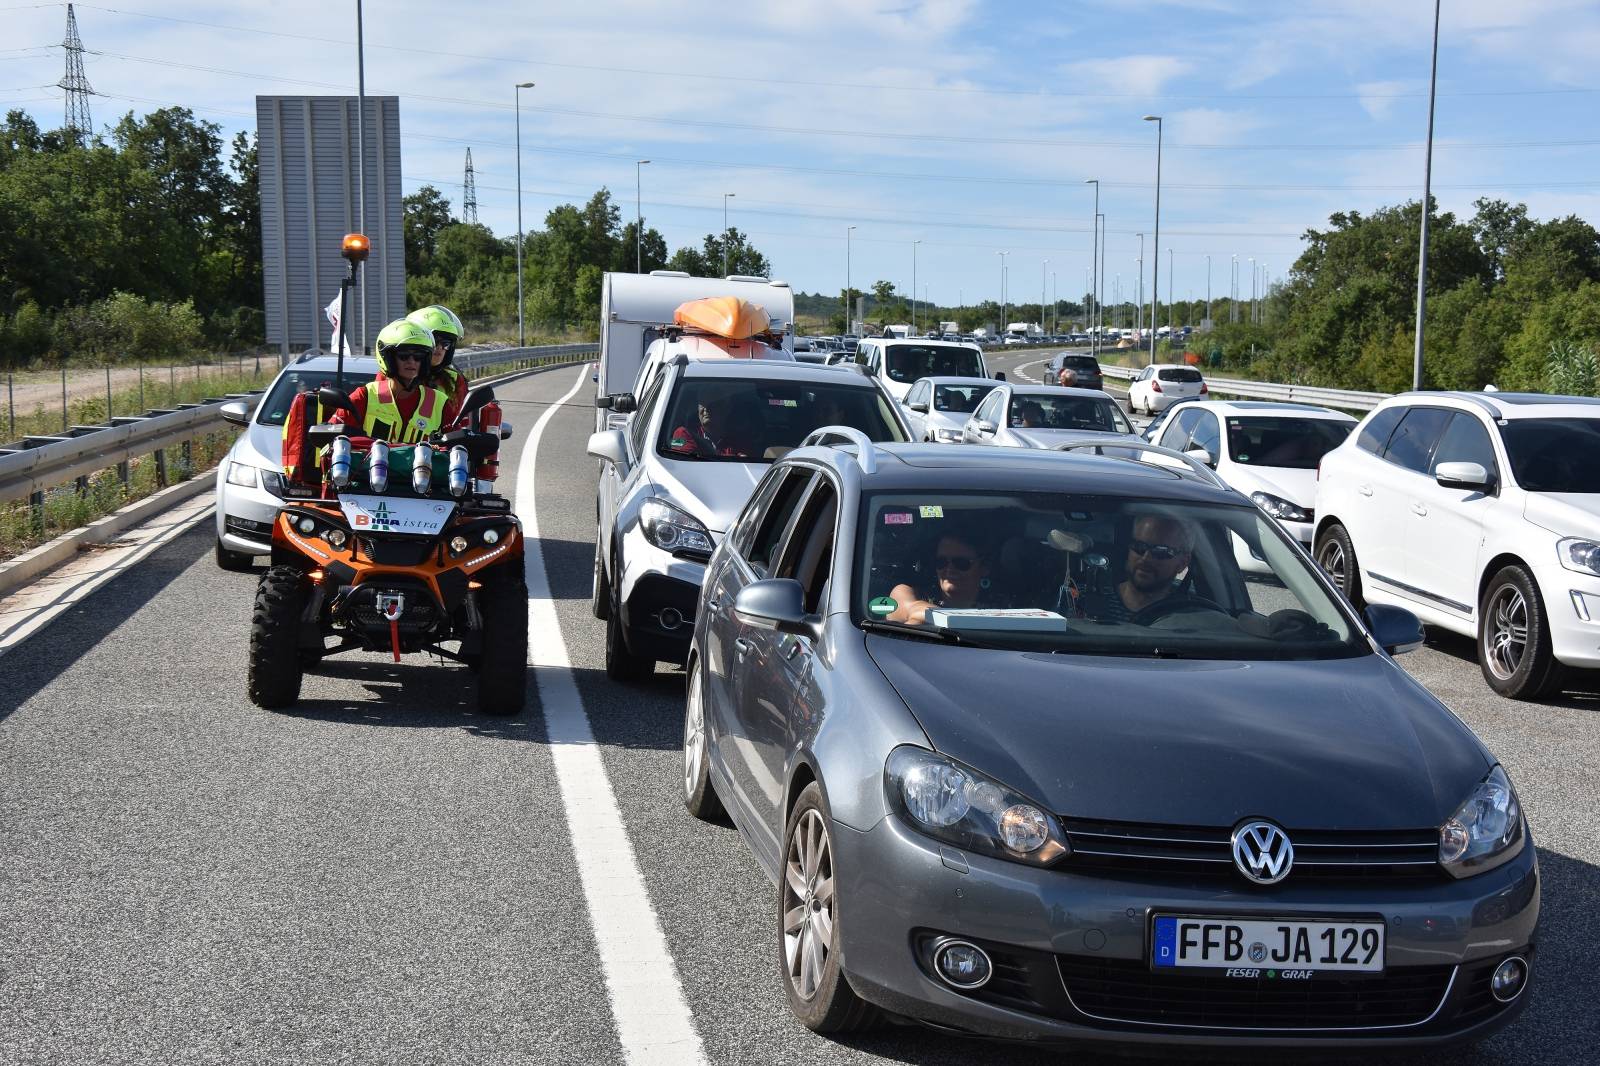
[(466, 267), (141, 240)]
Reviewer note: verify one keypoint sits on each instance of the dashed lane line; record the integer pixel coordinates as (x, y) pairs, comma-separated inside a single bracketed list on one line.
[(652, 1017)]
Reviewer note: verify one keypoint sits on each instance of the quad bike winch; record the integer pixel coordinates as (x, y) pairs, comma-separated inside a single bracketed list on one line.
[(401, 549)]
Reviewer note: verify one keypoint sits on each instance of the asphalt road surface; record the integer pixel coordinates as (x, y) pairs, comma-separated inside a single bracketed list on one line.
[(383, 876)]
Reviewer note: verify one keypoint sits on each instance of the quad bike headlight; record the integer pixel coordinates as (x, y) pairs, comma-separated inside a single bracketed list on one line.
[(307, 526), (335, 537)]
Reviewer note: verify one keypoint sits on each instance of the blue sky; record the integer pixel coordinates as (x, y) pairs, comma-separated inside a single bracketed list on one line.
[(969, 126)]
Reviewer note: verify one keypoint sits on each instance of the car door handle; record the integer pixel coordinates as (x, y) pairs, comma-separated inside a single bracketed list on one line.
[(1365, 490), (742, 647), (793, 648), (1418, 509), (714, 603)]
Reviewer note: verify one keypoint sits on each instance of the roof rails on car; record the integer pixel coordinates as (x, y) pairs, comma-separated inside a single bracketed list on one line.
[(1190, 467), (866, 453)]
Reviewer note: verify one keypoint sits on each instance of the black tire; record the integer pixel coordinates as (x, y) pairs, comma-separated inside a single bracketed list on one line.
[(273, 679), (699, 796), (1522, 670), (1336, 555), (600, 590), (832, 1006), (236, 562), (503, 663), (621, 663)]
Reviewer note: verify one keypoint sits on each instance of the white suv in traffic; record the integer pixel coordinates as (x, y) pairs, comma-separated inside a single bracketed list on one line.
[(1479, 512)]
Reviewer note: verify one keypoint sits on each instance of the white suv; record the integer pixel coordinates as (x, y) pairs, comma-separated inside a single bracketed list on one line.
[(899, 364), (675, 478), (1480, 512)]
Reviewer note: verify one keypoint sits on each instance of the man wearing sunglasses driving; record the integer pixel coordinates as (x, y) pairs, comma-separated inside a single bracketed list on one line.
[(1157, 554)]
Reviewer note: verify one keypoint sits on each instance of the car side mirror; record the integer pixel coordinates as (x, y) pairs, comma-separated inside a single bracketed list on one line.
[(235, 412), (920, 408), (602, 402), (609, 446), (1396, 629), (506, 430), (476, 399), (622, 403), (1200, 455), (776, 604), (1471, 476), (985, 427)]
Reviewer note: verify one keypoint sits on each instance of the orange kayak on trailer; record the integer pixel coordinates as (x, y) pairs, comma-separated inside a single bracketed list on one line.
[(724, 316)]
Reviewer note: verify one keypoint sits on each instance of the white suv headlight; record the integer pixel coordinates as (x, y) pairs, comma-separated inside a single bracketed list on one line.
[(674, 530), (241, 475), (1278, 507), (947, 436), (1486, 829), (1580, 555)]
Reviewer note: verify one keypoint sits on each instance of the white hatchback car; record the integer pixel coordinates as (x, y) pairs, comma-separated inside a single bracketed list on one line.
[(1267, 451), (1159, 384), (1479, 512), (250, 479), (936, 408)]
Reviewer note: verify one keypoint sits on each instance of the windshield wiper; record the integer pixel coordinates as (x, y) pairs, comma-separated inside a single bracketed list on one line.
[(933, 633)]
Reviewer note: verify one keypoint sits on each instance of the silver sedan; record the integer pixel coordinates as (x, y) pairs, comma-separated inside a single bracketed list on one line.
[(1042, 416)]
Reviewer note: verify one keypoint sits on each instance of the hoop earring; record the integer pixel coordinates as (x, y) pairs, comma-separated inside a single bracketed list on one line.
[(983, 583)]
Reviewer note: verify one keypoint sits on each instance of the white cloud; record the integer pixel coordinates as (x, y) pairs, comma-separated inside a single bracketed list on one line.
[(1138, 75)]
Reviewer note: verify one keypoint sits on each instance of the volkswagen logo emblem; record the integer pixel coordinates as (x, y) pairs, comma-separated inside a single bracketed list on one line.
[(1262, 852)]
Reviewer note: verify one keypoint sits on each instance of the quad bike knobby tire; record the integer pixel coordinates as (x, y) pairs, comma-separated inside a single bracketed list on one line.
[(275, 666), (503, 664)]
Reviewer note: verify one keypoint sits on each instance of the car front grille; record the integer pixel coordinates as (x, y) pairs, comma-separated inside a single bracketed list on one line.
[(1128, 991), (1207, 851)]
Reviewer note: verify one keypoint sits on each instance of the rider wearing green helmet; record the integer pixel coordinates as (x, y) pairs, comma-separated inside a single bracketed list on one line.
[(400, 406), (447, 332)]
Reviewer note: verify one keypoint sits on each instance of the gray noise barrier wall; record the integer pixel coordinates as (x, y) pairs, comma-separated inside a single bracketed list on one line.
[(310, 200)]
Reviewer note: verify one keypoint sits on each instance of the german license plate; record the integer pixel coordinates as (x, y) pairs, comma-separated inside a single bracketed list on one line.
[(1288, 949)]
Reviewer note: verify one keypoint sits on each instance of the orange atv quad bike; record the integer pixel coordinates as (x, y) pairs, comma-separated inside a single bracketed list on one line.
[(400, 549)]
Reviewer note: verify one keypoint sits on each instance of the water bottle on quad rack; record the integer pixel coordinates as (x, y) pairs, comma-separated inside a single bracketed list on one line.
[(401, 549)]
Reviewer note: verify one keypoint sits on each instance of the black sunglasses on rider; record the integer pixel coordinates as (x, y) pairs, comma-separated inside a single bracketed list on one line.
[(962, 563), (1163, 552)]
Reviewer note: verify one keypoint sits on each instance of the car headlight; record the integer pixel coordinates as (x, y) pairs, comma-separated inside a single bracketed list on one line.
[(1486, 829), (1580, 555), (947, 436), (1278, 507), (955, 803), (674, 530), (241, 475), (272, 481)]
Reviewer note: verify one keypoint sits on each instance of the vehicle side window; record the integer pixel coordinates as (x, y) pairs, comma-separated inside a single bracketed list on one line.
[(1376, 431), (637, 430), (1207, 434), (808, 553), (1465, 441), (1176, 435), (744, 529), (1413, 440), (989, 410), (772, 524), (919, 393)]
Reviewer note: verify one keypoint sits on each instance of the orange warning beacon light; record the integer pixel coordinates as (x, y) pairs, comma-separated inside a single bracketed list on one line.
[(355, 247), (723, 316)]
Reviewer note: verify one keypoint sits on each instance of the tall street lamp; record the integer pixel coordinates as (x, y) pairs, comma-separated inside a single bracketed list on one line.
[(1171, 294), (1094, 263), (1138, 317), (1044, 272), (1001, 328), (638, 215), (914, 286), (1427, 198), (1155, 273), (847, 292), (1100, 278), (1252, 289), (522, 334), (725, 241)]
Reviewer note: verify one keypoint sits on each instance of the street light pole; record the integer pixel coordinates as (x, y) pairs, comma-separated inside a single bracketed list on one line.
[(1155, 273), (847, 292), (1427, 199), (1100, 277), (361, 172), (725, 240), (1000, 328), (1138, 318), (638, 215), (1044, 271), (914, 286), (522, 334), (1094, 264), (1171, 293), (1252, 290)]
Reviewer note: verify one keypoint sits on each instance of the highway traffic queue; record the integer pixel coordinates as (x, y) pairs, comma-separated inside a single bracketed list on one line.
[(1057, 736)]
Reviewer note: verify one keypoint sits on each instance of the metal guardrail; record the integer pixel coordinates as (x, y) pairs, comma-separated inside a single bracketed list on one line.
[(1269, 390), (33, 464)]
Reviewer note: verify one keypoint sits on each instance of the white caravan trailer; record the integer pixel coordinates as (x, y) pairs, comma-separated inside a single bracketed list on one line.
[(635, 308)]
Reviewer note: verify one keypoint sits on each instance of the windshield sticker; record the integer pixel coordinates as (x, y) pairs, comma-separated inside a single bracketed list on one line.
[(774, 401), (883, 605), (898, 518), (1244, 458), (931, 511)]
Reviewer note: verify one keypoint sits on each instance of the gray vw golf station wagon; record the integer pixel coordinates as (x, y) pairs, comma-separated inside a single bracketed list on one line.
[(1026, 755)]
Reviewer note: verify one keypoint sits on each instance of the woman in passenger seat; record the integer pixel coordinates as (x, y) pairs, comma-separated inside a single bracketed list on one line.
[(960, 578)]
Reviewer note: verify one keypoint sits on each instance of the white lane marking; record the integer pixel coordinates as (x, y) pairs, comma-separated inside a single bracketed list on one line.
[(33, 607), (1021, 367), (653, 1020)]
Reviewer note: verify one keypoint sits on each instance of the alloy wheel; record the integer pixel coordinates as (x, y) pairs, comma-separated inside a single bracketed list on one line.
[(1505, 639), (1332, 562), (694, 735), (808, 904)]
